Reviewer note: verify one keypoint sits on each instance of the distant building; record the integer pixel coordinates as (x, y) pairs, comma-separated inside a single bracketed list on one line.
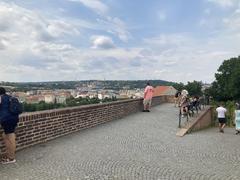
[(122, 96), (30, 93), (49, 98), (206, 86), (73, 92), (134, 93), (45, 92), (164, 90), (61, 99), (83, 94), (106, 94), (20, 95), (34, 99)]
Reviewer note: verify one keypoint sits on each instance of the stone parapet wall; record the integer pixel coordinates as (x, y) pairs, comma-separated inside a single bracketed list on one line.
[(42, 126), (204, 120)]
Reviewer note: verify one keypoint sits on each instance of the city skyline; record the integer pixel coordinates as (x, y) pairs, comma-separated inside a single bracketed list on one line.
[(65, 40)]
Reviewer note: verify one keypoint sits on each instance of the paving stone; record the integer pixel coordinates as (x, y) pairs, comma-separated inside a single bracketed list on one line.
[(143, 146)]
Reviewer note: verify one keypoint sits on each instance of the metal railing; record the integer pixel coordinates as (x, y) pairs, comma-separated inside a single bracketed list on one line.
[(192, 110)]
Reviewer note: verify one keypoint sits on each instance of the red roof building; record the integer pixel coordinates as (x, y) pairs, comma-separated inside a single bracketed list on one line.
[(164, 90)]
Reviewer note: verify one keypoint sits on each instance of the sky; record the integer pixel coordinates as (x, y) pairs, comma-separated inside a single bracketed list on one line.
[(177, 40)]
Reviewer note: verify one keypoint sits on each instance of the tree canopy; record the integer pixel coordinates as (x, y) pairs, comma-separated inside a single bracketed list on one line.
[(227, 83), (194, 88)]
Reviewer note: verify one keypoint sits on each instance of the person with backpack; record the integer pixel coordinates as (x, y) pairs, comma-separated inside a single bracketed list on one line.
[(10, 109)]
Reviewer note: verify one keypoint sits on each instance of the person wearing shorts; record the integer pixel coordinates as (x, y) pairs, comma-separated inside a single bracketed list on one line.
[(9, 123), (148, 94), (221, 111)]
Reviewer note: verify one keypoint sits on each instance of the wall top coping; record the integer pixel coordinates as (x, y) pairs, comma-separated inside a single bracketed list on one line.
[(78, 107)]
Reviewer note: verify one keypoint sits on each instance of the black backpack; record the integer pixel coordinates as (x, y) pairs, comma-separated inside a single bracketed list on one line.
[(15, 107)]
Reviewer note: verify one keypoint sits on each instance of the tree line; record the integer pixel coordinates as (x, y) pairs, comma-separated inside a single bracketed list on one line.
[(70, 102)]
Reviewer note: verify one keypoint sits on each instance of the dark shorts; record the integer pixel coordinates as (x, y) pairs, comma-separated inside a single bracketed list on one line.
[(222, 120), (9, 126)]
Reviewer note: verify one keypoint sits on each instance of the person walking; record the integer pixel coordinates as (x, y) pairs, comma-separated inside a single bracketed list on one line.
[(148, 94), (9, 123), (221, 111)]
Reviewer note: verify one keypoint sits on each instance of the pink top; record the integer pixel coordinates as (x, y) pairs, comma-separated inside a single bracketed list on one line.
[(148, 92)]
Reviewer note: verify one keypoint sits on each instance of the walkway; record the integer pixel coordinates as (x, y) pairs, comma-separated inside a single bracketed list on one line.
[(142, 146)]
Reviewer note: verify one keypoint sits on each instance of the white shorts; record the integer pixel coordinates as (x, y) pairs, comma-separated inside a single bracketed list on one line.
[(147, 102)]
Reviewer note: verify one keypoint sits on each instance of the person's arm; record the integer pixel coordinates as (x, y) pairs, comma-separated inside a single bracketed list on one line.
[(145, 92)]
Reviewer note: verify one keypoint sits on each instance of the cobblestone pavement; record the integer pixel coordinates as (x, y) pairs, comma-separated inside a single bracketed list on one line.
[(142, 146)]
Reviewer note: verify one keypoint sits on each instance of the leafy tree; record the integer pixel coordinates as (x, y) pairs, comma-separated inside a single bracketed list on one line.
[(227, 83), (194, 88), (178, 86)]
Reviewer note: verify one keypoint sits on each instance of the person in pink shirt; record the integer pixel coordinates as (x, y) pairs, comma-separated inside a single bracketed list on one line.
[(148, 94)]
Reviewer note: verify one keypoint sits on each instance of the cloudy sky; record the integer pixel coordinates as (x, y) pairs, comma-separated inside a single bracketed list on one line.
[(177, 40)]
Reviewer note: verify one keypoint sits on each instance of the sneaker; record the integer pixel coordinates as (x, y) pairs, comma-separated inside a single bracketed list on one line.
[(147, 110), (8, 161), (144, 110), (222, 131)]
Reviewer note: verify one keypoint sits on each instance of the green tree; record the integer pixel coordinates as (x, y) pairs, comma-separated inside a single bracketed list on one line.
[(227, 83), (178, 86), (194, 88)]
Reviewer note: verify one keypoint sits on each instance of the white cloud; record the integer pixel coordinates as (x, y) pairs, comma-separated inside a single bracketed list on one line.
[(166, 40), (113, 25), (34, 47), (102, 42), (203, 22), (29, 40), (96, 5), (170, 63), (161, 15), (207, 11), (57, 28), (224, 3), (17, 22), (116, 27), (233, 21), (181, 55)]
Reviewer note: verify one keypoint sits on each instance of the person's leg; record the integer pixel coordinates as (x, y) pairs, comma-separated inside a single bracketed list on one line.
[(144, 105), (10, 143), (186, 110), (182, 111), (223, 125), (220, 126), (149, 105), (9, 139)]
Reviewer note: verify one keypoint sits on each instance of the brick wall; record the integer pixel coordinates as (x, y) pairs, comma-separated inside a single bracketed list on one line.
[(38, 127)]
